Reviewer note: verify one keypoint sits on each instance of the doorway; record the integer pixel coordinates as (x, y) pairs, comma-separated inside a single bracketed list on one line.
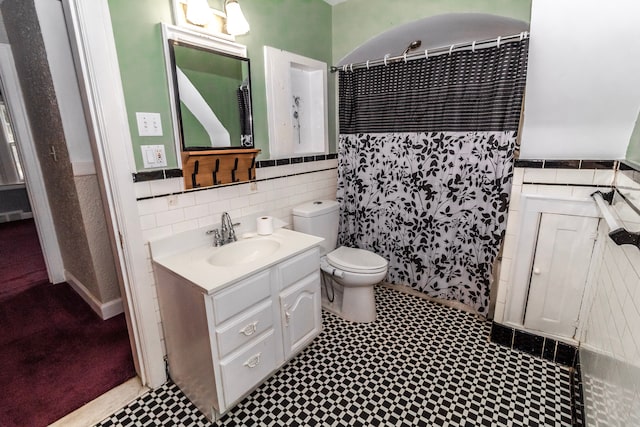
[(57, 353)]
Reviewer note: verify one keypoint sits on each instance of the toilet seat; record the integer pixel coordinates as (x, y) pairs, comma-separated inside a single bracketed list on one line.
[(357, 260)]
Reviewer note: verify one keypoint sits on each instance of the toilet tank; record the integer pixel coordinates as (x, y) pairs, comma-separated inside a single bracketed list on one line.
[(318, 218)]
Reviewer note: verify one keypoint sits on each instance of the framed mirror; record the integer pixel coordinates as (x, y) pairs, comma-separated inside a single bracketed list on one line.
[(209, 83), (213, 98)]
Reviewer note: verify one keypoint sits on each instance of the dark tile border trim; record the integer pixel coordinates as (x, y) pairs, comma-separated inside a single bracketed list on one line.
[(152, 175), (628, 166), (567, 164), (232, 184), (535, 345), (551, 350), (577, 394)]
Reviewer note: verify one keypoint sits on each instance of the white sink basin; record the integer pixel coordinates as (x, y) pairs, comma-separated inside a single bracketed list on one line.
[(243, 251)]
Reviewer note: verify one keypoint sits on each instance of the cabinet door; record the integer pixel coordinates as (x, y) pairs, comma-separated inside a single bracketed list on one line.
[(560, 268), (300, 310)]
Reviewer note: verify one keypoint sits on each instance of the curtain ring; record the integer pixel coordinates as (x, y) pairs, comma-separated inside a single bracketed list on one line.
[(521, 36), (367, 64), (385, 58), (451, 49), (426, 54), (351, 67), (498, 41), (405, 57), (473, 46)]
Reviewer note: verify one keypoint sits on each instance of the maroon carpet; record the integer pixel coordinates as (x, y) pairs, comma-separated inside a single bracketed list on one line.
[(56, 355), (21, 261)]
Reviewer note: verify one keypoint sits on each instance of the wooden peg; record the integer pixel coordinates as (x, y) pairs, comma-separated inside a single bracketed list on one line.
[(196, 167)]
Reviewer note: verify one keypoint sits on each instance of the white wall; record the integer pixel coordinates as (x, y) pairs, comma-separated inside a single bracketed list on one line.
[(610, 345), (583, 84)]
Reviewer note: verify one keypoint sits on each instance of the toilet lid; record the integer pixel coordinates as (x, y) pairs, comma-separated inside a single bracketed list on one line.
[(356, 260)]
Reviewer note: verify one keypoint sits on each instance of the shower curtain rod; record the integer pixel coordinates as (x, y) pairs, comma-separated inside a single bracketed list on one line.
[(435, 51)]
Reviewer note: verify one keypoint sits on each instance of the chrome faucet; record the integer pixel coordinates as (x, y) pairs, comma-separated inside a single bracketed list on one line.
[(226, 233)]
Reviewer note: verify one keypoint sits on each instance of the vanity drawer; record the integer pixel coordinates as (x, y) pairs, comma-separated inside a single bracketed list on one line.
[(248, 368), (245, 328), (241, 296), (298, 267)]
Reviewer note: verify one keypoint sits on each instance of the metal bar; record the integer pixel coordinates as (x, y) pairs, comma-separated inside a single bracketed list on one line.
[(617, 233), (435, 51)]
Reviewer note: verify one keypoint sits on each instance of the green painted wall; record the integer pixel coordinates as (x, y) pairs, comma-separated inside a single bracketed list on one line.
[(299, 26), (310, 28), (357, 21), (142, 68), (633, 150)]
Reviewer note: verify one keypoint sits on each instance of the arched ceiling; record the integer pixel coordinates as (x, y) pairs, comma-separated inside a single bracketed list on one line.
[(436, 31)]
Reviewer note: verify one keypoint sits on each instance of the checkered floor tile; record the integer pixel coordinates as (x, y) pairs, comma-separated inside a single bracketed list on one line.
[(418, 364)]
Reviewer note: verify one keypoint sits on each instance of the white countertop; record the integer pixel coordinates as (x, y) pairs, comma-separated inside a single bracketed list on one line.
[(192, 263)]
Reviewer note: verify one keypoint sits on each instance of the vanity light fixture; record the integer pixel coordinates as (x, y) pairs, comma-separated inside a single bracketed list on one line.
[(236, 22), (198, 12)]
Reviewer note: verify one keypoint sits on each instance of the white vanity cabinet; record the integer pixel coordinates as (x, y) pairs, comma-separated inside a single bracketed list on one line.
[(222, 344)]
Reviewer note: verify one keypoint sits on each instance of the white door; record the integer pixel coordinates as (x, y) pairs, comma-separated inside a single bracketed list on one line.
[(301, 318), (559, 273)]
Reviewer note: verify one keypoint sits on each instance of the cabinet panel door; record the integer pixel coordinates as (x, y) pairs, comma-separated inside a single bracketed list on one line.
[(559, 273), (301, 317)]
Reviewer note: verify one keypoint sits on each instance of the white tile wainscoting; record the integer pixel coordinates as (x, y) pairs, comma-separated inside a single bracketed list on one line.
[(609, 324), (166, 210), (610, 344)]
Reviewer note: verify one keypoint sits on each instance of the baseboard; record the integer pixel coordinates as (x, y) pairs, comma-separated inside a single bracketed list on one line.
[(105, 310), (15, 216)]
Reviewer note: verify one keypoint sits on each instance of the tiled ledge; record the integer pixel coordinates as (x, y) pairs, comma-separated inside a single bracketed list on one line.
[(155, 175), (175, 186), (567, 164), (575, 173)]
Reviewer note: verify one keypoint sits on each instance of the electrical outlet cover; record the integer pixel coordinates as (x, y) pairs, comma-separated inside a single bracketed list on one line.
[(149, 124), (153, 156)]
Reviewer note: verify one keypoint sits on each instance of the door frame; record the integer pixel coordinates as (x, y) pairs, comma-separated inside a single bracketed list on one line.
[(533, 206), (96, 61), (34, 180)]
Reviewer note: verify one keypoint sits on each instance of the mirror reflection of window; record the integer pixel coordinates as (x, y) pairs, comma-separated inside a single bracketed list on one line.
[(10, 166), (214, 98)]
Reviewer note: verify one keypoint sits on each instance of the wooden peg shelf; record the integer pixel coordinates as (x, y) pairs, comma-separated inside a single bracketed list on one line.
[(200, 168)]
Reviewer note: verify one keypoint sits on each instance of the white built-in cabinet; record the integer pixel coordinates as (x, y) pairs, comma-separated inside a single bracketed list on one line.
[(559, 273), (221, 346), (551, 265)]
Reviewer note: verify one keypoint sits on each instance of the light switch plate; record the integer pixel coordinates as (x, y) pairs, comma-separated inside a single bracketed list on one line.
[(153, 156), (149, 124)]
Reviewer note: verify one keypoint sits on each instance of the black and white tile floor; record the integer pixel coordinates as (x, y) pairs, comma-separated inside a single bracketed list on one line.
[(419, 364)]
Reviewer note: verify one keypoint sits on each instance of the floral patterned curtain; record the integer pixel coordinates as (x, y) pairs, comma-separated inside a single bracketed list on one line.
[(425, 164)]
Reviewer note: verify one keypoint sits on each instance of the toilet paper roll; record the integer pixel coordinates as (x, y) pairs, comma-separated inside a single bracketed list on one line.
[(264, 225)]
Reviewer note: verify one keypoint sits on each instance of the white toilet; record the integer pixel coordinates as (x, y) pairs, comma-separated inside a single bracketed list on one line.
[(351, 272)]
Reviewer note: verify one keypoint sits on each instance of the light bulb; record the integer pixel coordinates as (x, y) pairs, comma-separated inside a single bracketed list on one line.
[(198, 12), (236, 22)]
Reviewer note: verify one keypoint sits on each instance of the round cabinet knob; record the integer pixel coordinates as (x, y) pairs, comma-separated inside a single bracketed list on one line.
[(536, 271)]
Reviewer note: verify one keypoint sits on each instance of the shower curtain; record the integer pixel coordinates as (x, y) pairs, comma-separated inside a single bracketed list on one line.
[(425, 163)]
